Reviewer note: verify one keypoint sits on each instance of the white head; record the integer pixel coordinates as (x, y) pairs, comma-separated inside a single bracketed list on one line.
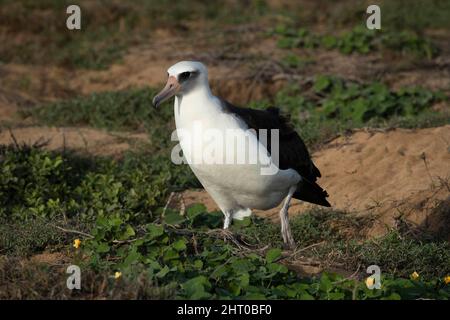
[(183, 77)]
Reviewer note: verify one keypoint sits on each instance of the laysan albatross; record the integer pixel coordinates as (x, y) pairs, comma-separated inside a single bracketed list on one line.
[(238, 187)]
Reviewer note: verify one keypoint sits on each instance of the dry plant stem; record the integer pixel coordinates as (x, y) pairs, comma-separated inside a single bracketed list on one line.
[(167, 204), (73, 231)]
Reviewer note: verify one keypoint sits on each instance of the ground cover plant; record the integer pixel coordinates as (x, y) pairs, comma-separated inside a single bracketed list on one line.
[(125, 230), (112, 28), (358, 40), (115, 27), (329, 105), (319, 110)]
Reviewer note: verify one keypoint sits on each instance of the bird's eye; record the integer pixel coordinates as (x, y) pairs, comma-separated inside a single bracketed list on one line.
[(184, 76)]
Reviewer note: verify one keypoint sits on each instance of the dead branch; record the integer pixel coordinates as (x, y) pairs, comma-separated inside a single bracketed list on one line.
[(87, 235), (167, 204)]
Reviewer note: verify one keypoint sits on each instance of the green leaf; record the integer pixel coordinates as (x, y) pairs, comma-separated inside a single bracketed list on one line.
[(198, 264), (329, 42), (179, 245), (322, 83), (241, 265), (102, 247), (242, 223), (273, 254), (170, 254), (195, 288), (219, 272), (195, 210), (306, 296), (133, 257), (173, 218), (162, 273), (255, 296), (325, 283), (127, 233), (392, 296), (244, 280), (359, 109), (336, 296), (277, 268), (154, 231)]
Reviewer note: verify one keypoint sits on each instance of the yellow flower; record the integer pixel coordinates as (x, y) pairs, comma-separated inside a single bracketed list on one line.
[(117, 275), (414, 275), (370, 282), (447, 280), (76, 243)]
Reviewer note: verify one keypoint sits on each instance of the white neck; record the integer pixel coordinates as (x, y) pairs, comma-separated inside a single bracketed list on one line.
[(199, 93), (196, 104)]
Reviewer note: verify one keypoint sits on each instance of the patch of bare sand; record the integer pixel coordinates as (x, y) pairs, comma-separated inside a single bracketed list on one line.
[(87, 140), (398, 174)]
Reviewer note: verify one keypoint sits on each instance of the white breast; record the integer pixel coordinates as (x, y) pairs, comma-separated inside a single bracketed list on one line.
[(200, 123)]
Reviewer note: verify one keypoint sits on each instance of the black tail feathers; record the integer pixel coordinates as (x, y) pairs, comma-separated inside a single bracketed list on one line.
[(311, 192)]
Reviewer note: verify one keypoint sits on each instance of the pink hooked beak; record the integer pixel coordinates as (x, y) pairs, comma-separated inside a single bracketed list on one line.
[(171, 88)]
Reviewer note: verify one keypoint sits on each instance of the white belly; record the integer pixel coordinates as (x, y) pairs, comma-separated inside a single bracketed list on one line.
[(236, 175)]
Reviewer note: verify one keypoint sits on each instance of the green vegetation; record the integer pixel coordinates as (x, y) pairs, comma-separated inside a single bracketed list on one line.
[(23, 238), (295, 62), (416, 14), (200, 265), (359, 40), (114, 110), (339, 244), (36, 183), (119, 206), (330, 105), (361, 103), (36, 32), (396, 15), (127, 110)]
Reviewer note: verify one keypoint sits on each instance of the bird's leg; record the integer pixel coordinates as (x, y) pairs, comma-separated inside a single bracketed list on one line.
[(285, 228), (226, 223)]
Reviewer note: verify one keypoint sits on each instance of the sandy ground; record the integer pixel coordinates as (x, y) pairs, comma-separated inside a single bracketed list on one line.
[(86, 140)]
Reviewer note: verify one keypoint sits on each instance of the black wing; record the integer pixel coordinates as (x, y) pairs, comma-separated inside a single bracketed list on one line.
[(292, 150)]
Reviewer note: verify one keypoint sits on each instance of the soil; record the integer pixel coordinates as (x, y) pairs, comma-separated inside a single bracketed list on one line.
[(86, 140)]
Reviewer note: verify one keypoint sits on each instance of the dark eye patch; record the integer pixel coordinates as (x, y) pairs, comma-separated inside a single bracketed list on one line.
[(184, 76)]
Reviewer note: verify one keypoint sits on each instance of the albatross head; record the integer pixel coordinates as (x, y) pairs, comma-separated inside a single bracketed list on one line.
[(183, 77)]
